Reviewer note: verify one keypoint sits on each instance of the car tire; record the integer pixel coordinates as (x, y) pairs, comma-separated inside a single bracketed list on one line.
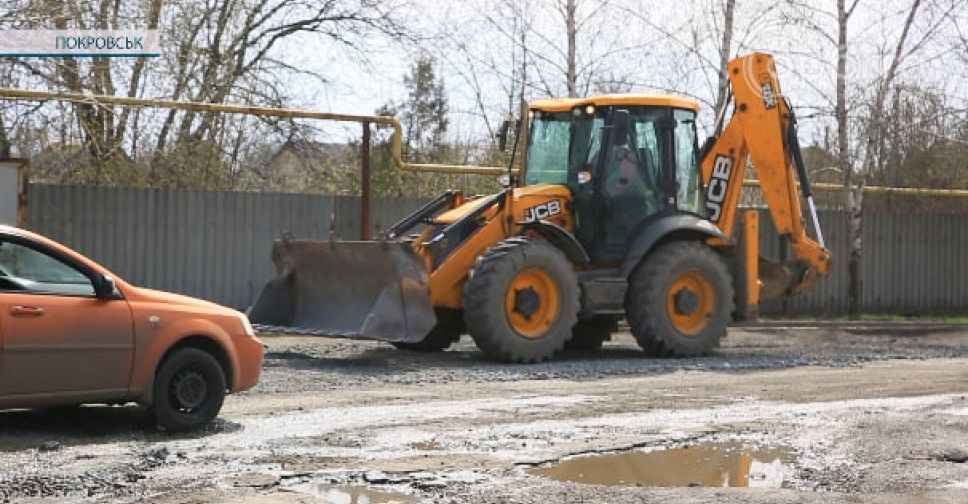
[(189, 390)]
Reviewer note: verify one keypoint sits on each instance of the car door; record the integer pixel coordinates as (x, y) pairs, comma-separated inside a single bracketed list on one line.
[(56, 336)]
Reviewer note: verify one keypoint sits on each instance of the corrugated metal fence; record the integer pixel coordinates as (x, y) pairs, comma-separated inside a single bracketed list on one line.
[(216, 245), (210, 244), (914, 264)]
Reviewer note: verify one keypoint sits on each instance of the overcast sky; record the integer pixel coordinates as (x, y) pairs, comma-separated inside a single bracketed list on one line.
[(654, 45)]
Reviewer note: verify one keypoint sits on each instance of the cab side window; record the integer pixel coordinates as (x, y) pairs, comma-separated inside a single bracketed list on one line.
[(25, 270), (689, 192)]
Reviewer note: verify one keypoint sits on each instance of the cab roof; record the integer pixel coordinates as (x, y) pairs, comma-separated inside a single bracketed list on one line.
[(660, 100)]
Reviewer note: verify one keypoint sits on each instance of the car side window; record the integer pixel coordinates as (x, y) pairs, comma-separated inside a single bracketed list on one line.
[(23, 269)]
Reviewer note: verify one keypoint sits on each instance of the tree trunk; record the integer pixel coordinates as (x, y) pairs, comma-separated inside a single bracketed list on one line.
[(571, 26), (4, 141), (854, 182), (853, 192), (724, 52)]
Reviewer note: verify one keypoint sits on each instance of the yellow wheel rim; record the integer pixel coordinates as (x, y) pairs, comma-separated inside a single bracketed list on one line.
[(532, 302), (691, 302)]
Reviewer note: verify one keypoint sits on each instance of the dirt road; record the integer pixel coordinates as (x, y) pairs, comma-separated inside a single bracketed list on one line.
[(799, 414)]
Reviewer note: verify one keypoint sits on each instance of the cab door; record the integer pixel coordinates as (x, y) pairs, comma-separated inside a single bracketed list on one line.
[(57, 338), (632, 184)]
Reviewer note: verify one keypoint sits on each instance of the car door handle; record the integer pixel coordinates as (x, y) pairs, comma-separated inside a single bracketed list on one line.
[(26, 311)]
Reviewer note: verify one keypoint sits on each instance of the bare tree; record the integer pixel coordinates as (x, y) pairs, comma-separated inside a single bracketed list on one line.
[(213, 51), (724, 55), (853, 193), (855, 176), (569, 12)]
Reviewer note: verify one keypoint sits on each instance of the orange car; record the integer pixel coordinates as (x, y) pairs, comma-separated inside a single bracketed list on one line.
[(71, 333)]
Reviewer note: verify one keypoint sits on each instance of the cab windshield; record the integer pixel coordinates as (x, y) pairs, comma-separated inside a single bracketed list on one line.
[(561, 143)]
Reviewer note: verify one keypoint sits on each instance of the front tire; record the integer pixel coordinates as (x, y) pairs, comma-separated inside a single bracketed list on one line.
[(521, 301), (679, 300), (189, 390)]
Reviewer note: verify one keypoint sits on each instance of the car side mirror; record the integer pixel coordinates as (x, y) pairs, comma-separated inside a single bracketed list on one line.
[(105, 287)]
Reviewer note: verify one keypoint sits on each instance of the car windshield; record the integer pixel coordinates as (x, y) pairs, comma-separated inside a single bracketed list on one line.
[(561, 144)]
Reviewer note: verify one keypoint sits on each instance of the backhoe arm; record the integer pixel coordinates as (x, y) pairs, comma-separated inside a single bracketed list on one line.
[(762, 129)]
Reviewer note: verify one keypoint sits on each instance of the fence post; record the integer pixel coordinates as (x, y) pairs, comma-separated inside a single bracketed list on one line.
[(365, 184)]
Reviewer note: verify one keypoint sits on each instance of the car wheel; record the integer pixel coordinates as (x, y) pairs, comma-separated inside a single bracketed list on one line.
[(189, 390)]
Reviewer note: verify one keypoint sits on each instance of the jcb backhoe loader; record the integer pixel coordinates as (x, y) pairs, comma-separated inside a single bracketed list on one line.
[(617, 212)]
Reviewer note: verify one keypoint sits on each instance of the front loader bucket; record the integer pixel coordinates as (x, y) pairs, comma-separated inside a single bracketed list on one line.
[(372, 289)]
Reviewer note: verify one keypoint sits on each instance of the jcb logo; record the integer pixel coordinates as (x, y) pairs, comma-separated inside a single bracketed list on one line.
[(718, 186), (769, 97), (542, 211)]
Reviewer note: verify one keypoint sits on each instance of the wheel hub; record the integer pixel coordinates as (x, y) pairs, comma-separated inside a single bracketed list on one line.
[(686, 301), (691, 302), (531, 302), (189, 389), (527, 301)]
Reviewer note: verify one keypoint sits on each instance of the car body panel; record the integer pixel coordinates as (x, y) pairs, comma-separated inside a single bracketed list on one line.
[(88, 349), (56, 351)]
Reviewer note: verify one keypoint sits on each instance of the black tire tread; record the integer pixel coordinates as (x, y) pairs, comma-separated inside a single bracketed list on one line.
[(647, 297), (167, 417), (489, 276)]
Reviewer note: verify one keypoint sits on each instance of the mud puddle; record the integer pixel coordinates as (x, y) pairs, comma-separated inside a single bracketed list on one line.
[(711, 464), (352, 494)]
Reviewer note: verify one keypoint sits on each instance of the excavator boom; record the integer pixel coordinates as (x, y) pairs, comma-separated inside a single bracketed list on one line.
[(762, 132)]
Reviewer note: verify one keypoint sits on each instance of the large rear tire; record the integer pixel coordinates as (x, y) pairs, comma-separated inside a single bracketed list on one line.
[(521, 301), (450, 325), (679, 300)]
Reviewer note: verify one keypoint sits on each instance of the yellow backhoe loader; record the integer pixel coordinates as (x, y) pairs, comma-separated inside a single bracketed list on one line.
[(616, 212)]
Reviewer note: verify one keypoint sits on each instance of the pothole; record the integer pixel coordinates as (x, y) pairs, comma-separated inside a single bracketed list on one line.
[(711, 464), (352, 494)]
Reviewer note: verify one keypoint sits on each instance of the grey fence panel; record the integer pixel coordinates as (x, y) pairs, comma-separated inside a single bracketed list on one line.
[(384, 212), (216, 245), (913, 264), (211, 244)]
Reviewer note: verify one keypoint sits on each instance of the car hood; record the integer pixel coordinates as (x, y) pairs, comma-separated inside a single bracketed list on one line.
[(145, 295)]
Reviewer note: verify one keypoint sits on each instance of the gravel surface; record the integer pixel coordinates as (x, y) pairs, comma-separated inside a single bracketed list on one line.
[(872, 412), (341, 363)]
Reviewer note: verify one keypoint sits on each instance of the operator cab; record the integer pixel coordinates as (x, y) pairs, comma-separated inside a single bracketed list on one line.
[(649, 165)]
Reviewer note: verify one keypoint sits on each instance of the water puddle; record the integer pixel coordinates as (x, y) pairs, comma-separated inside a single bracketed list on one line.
[(354, 494), (711, 464)]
